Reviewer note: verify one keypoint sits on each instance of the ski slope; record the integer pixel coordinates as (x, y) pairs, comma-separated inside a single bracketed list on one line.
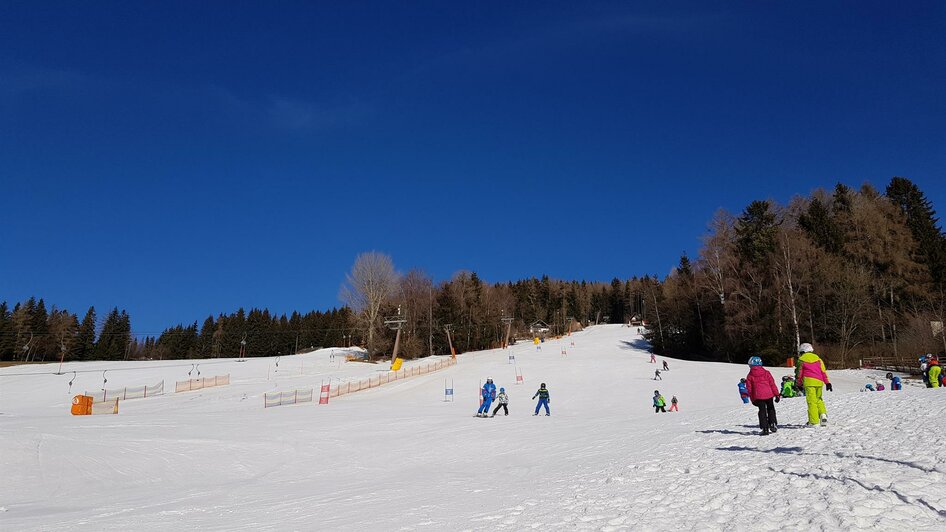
[(400, 458)]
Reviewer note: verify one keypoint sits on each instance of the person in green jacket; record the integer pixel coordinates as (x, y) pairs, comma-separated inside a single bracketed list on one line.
[(659, 403), (811, 374), (788, 387)]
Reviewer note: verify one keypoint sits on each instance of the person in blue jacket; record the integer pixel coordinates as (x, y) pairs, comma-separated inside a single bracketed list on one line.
[(543, 395), (488, 394), (743, 391), (895, 383)]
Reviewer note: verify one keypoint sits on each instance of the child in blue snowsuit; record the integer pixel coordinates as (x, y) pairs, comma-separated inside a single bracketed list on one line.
[(543, 395), (894, 382), (743, 391), (488, 394)]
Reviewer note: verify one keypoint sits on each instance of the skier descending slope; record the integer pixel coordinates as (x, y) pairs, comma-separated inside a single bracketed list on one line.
[(488, 393), (543, 395), (762, 391), (503, 401), (811, 374)]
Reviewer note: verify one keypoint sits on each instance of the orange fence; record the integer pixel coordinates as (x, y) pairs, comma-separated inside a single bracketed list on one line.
[(201, 383), (391, 376)]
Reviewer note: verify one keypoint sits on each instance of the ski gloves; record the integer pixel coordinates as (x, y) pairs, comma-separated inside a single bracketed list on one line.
[(828, 386)]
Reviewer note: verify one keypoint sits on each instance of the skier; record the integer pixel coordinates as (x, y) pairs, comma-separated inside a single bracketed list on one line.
[(488, 393), (743, 392), (894, 382), (762, 392), (657, 376), (673, 404), (666, 367), (811, 374), (869, 387), (659, 403), (653, 358), (880, 386), (543, 395), (788, 387), (503, 401), (933, 371), (923, 367)]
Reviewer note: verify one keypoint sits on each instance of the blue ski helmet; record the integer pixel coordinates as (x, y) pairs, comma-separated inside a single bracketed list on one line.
[(502, 389), (755, 361)]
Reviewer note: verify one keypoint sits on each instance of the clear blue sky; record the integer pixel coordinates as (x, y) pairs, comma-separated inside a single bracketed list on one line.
[(179, 159)]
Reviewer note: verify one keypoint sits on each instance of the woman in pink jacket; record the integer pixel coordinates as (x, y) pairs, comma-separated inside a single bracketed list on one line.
[(762, 393)]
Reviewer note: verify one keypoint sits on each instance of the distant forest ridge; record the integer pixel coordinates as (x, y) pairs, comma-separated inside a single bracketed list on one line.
[(857, 273)]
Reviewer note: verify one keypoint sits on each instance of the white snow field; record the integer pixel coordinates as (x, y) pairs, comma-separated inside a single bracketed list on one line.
[(400, 458)]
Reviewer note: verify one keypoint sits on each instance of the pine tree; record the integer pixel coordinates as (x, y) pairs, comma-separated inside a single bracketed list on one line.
[(7, 333), (923, 224), (755, 232), (85, 338)]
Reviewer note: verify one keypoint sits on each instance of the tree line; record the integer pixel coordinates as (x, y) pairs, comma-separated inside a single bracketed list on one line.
[(858, 273)]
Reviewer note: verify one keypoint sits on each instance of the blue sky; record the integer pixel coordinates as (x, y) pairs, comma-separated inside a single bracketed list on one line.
[(180, 159)]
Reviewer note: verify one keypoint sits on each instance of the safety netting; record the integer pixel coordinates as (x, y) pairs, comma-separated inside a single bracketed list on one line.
[(201, 383), (109, 406), (128, 392), (391, 376), (290, 397)]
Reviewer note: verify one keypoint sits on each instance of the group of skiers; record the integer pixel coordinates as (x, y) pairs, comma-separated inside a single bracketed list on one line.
[(488, 395), (660, 403), (811, 378)]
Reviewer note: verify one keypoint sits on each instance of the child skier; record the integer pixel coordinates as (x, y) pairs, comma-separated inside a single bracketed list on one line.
[(762, 392), (666, 367), (933, 371), (673, 404), (743, 392), (659, 403), (653, 358), (657, 376), (811, 374), (880, 386), (488, 393), (503, 401), (869, 387), (788, 387), (543, 395), (894, 382)]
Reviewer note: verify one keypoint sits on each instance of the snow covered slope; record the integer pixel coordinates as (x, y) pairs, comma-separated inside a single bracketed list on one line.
[(400, 458)]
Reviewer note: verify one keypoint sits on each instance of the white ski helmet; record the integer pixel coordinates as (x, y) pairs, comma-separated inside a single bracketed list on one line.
[(806, 348)]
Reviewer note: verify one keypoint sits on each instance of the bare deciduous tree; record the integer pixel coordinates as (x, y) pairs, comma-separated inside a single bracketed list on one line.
[(370, 284)]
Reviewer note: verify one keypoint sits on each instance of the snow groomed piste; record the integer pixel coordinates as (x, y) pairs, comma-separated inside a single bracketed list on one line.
[(400, 457)]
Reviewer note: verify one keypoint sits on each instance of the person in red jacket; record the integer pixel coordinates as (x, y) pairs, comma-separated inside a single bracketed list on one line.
[(762, 393)]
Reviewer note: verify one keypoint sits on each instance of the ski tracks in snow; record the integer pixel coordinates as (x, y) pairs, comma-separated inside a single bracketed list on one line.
[(850, 474)]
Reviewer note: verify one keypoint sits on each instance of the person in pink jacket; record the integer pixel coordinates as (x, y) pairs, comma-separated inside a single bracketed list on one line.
[(762, 392)]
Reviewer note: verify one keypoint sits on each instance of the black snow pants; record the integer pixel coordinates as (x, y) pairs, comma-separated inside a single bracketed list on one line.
[(503, 406), (766, 413)]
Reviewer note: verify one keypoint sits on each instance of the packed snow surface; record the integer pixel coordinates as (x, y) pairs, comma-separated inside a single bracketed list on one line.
[(399, 457)]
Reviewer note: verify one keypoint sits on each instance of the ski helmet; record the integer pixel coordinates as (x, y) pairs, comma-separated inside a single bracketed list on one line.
[(656, 392), (890, 375), (755, 361), (542, 385), (502, 389), (742, 381), (806, 348)]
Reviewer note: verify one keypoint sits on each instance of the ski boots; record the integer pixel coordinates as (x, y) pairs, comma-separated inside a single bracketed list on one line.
[(773, 428), (824, 419), (765, 432)]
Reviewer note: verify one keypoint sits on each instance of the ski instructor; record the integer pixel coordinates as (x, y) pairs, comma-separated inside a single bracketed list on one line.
[(488, 393), (811, 375)]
